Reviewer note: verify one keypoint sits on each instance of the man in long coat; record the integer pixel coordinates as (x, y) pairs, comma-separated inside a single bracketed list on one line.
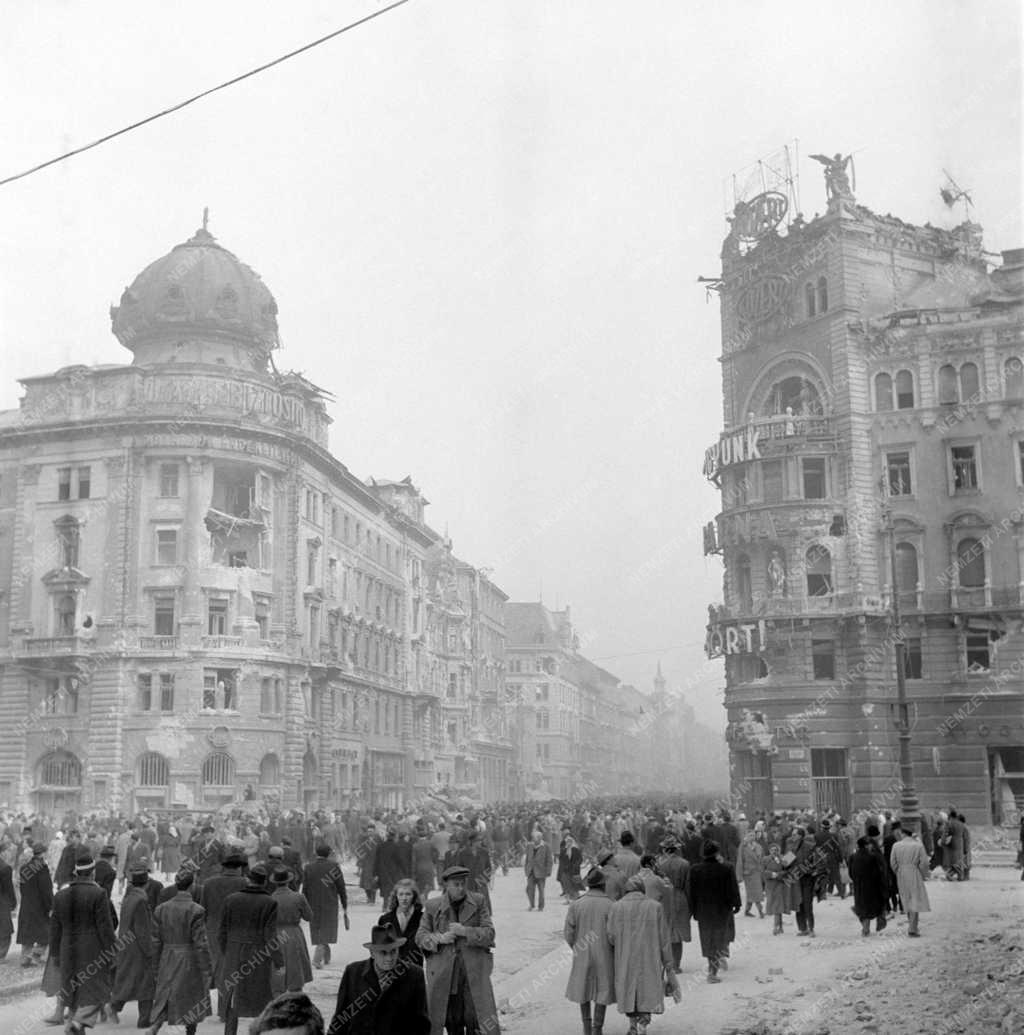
[(909, 862), (456, 935), (378, 996), (323, 884), (366, 859), (134, 976), (393, 862), (82, 941), (292, 908), (870, 885), (106, 874), (36, 903), (676, 900), (714, 899), (249, 946), (592, 978), (66, 865), (953, 851), (184, 969), (643, 955), (213, 894)]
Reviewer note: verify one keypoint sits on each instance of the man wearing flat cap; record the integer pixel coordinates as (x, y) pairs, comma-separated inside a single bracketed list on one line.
[(82, 943), (456, 935), (379, 996)]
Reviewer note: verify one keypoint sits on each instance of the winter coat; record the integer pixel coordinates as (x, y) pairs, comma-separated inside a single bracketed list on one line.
[(642, 952), (323, 884), (569, 864), (749, 868), (36, 902), (170, 851), (870, 885), (714, 897), (135, 974), (363, 1009), (249, 946), (909, 862), (676, 900), (410, 952), (424, 864), (213, 895), (292, 908), (953, 853), (66, 867), (393, 862), (538, 861), (82, 941), (475, 949), (729, 839), (777, 899), (184, 970), (366, 856), (592, 978), (105, 876)]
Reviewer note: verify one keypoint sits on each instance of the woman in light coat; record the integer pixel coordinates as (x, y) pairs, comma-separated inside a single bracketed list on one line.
[(643, 956), (592, 978)]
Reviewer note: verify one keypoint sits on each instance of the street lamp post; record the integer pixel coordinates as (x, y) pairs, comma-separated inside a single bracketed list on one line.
[(910, 816)]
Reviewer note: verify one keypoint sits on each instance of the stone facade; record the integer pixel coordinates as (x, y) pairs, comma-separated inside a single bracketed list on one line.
[(871, 368)]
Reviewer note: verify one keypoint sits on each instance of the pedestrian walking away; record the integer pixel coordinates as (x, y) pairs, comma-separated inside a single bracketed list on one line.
[(592, 977)]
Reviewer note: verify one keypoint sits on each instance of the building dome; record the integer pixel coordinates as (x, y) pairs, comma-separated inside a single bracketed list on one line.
[(198, 294)]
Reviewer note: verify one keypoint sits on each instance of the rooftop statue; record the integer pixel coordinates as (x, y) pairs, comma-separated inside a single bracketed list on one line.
[(837, 183)]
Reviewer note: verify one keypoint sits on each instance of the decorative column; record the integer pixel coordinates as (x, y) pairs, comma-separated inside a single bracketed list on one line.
[(190, 560)]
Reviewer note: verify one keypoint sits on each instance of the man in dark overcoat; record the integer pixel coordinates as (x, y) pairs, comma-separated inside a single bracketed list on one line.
[(728, 838), (106, 870), (66, 863), (393, 862), (184, 971), (714, 899), (207, 855), (323, 884), (213, 894), (82, 942), (34, 912), (251, 954), (456, 935), (378, 996), (135, 970), (676, 901), (475, 857), (8, 903)]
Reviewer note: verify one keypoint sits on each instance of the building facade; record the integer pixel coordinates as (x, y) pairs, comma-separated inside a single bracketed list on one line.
[(872, 447), (201, 604)]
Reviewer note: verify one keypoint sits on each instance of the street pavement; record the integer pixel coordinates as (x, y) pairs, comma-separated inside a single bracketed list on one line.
[(965, 974)]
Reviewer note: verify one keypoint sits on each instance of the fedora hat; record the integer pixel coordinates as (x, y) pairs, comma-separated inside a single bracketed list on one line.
[(383, 938)]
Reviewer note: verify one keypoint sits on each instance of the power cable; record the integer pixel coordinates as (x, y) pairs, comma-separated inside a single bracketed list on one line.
[(200, 96)]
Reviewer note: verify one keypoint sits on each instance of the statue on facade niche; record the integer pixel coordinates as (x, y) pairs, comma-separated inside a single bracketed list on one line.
[(776, 574), (837, 183)]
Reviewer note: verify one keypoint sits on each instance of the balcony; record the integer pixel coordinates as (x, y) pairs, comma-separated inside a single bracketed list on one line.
[(221, 642), (55, 645), (158, 643), (746, 442)]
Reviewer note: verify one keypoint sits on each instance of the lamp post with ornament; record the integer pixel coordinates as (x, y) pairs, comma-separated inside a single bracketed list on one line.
[(910, 815)]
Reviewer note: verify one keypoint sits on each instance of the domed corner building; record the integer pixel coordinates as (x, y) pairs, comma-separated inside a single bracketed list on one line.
[(200, 604)]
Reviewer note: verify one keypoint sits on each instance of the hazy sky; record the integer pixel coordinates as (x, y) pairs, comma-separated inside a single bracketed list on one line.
[(483, 221)]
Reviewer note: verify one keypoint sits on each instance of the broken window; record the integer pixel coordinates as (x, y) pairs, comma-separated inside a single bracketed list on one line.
[(239, 516), (219, 689)]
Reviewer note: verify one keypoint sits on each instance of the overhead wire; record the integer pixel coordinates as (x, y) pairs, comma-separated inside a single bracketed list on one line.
[(200, 96)]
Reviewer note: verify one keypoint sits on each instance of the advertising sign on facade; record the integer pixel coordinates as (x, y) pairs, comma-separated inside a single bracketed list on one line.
[(735, 638)]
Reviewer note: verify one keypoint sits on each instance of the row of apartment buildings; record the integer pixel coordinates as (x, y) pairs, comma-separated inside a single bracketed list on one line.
[(873, 446), (200, 603)]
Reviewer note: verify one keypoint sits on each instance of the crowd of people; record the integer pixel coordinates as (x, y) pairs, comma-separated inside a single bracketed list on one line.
[(164, 909)]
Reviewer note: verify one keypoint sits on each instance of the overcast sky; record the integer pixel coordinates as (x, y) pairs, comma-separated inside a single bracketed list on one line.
[(483, 221)]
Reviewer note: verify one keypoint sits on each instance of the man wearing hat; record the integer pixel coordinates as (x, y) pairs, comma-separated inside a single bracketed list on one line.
[(207, 855), (66, 866), (592, 978), (106, 872), (134, 977), (538, 868), (292, 908), (456, 935), (676, 870), (36, 903), (324, 887), (252, 957), (212, 896), (379, 997), (82, 941), (714, 899)]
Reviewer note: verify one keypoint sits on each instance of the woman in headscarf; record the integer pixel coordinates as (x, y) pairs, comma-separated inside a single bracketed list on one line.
[(870, 885)]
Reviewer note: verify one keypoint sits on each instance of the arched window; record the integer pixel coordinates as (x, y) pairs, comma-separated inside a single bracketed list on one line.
[(969, 382), (60, 769), (883, 392), (154, 770), (219, 770), (66, 608), (1013, 376), (904, 390), (822, 295), (948, 384), (270, 771), (819, 571), (744, 589), (792, 393), (809, 298), (970, 560), (906, 569)]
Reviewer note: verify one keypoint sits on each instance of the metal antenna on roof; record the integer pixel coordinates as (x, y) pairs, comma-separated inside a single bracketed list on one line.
[(206, 218)]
